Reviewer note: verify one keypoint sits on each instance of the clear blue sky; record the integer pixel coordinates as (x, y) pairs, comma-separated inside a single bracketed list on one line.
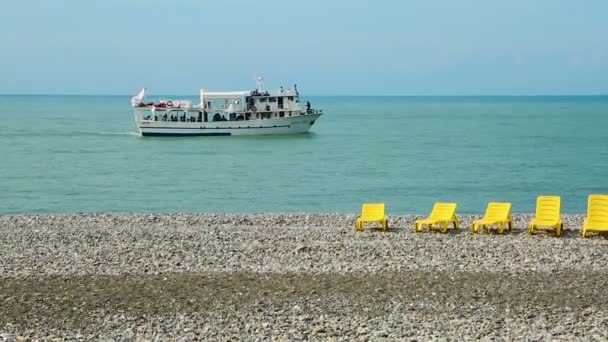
[(329, 47)]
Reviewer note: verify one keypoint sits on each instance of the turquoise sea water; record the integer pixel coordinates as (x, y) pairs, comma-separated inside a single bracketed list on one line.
[(80, 154)]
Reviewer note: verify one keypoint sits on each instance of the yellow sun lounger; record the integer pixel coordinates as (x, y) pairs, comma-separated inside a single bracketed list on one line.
[(370, 213), (497, 213), (597, 214), (443, 214), (547, 214)]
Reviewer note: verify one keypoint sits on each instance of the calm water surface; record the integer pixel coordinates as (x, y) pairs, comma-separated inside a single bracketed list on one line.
[(64, 154)]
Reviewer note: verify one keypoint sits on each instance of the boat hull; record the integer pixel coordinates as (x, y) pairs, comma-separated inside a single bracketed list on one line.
[(287, 125)]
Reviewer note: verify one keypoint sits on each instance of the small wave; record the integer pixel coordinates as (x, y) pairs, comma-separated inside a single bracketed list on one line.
[(67, 134), (119, 133)]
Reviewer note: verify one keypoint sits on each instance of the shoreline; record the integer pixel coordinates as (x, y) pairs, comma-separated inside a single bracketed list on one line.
[(238, 214), (295, 277)]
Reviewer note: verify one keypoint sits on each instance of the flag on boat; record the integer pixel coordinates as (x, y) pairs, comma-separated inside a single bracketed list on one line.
[(139, 98)]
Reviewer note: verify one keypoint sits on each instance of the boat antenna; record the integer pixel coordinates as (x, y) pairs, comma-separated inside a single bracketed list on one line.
[(259, 81)]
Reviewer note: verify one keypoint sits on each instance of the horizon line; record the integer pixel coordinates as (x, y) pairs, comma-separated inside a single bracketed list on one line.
[(336, 95)]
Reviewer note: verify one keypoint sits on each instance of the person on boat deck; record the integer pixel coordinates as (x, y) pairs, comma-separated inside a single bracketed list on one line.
[(307, 106), (200, 116)]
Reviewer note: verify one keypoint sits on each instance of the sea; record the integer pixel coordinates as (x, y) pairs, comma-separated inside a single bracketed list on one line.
[(73, 154)]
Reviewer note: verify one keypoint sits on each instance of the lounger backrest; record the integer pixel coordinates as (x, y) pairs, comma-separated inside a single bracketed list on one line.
[(597, 210), (443, 211), (548, 208), (497, 211), (372, 211)]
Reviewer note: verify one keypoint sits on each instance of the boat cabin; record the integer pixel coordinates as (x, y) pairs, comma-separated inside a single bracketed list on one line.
[(253, 104), (227, 106)]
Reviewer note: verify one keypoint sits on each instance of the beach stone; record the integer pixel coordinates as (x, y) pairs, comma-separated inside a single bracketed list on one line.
[(294, 276), (8, 337), (319, 330), (300, 248)]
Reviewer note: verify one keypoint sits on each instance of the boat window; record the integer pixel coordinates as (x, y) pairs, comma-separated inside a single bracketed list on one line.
[(282, 114), (262, 99), (290, 98), (272, 99)]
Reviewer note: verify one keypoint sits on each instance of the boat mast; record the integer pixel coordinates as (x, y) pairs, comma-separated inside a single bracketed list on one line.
[(202, 99)]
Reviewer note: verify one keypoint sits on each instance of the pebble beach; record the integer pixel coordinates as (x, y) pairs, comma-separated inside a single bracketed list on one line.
[(285, 277)]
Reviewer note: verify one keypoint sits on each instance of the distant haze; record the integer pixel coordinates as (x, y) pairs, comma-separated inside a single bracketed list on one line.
[(330, 47)]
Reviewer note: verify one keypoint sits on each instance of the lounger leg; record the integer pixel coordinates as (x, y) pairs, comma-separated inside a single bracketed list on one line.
[(445, 227), (510, 224), (419, 227)]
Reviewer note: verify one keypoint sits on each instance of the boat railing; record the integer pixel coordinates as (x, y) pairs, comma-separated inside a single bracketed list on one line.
[(148, 114)]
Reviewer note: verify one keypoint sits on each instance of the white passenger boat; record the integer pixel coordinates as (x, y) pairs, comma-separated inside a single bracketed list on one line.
[(226, 113)]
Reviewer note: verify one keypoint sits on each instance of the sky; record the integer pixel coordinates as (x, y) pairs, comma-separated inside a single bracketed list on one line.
[(327, 47)]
